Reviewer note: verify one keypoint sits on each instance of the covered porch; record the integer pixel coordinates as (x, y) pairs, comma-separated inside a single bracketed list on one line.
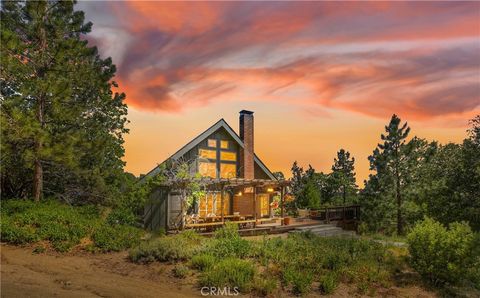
[(256, 205), (246, 202)]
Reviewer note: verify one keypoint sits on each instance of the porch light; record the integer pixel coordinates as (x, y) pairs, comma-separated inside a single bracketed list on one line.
[(239, 193), (269, 189)]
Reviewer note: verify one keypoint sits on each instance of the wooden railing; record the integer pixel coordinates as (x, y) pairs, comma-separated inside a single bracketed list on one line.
[(242, 224), (337, 213)]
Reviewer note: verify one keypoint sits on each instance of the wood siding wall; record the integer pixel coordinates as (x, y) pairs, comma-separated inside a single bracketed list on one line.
[(243, 204)]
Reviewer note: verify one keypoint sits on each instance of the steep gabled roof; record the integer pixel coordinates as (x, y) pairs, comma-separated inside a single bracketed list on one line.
[(221, 123)]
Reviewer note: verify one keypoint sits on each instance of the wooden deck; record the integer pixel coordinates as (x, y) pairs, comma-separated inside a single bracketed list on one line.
[(272, 227), (345, 217)]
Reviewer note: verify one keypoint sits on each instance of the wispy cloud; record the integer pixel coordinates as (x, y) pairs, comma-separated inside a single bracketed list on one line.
[(418, 59)]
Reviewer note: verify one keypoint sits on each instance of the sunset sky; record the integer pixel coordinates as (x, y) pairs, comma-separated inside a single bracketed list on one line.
[(319, 75)]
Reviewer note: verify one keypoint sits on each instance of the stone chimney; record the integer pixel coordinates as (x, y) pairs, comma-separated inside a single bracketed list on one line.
[(246, 134)]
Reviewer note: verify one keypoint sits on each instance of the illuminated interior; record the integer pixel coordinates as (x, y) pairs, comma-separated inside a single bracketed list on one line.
[(207, 169), (208, 165), (228, 170), (229, 156), (224, 144), (211, 204), (212, 143), (207, 153)]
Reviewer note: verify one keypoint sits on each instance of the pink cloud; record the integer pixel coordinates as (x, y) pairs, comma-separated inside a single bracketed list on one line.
[(185, 54)]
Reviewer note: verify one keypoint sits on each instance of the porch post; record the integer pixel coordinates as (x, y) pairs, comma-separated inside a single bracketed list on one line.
[(221, 202), (282, 195), (255, 206)]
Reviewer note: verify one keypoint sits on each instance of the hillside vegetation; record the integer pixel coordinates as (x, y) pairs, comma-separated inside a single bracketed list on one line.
[(304, 263), (64, 227)]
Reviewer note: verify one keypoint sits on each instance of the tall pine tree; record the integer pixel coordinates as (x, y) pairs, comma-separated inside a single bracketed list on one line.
[(343, 170), (387, 161), (62, 125)]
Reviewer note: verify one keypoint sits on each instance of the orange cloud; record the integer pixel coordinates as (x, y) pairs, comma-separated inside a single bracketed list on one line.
[(375, 58)]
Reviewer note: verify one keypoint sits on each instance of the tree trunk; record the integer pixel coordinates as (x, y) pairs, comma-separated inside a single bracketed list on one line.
[(38, 170), (399, 205), (38, 181)]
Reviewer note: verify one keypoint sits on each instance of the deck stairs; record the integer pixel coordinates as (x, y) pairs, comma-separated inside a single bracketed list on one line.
[(325, 230)]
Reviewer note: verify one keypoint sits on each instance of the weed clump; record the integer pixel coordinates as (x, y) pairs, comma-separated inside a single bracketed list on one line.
[(230, 272), (175, 248)]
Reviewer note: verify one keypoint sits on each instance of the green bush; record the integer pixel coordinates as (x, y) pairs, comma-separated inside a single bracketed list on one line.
[(328, 283), (180, 271), (228, 243), (335, 260), (121, 216), (175, 248), (116, 238), (473, 272), (300, 280), (362, 228), (229, 231), (62, 225), (441, 255), (230, 272), (264, 285), (203, 262), (12, 233)]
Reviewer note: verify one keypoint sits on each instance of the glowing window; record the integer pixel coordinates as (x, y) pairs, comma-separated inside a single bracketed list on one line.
[(224, 144), (228, 170), (211, 203), (207, 169), (230, 156), (206, 153), (212, 143)]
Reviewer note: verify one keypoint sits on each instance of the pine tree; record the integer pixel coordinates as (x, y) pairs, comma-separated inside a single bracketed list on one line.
[(62, 125), (474, 130), (343, 170), (387, 161)]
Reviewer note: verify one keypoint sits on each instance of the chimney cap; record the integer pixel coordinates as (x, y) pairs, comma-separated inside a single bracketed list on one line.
[(245, 112)]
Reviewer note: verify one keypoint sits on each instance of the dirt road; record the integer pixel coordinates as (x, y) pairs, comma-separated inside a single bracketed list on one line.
[(24, 274)]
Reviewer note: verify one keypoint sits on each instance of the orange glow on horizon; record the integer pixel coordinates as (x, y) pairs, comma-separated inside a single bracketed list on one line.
[(280, 138)]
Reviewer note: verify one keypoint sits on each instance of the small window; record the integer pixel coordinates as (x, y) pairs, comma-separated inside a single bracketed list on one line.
[(206, 153), (229, 156), (212, 143), (224, 144)]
